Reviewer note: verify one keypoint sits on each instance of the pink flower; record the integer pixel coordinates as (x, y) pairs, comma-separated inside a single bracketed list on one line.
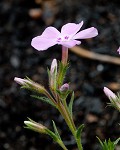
[(118, 50), (68, 37), (109, 93)]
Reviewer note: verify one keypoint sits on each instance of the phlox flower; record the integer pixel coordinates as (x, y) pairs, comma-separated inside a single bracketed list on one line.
[(68, 37)]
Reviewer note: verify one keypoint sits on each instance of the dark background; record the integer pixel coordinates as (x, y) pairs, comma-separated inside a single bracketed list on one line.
[(20, 21)]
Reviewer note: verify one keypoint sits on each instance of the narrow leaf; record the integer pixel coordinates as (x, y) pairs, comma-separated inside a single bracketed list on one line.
[(52, 135), (79, 131), (71, 103), (116, 142), (56, 130), (44, 99), (101, 143)]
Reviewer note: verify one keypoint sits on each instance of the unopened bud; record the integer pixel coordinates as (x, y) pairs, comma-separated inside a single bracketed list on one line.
[(114, 99), (53, 74), (35, 126), (53, 66), (31, 85), (109, 93), (21, 81), (64, 87), (118, 50)]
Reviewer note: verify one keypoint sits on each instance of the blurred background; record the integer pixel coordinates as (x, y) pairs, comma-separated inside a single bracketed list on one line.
[(20, 21)]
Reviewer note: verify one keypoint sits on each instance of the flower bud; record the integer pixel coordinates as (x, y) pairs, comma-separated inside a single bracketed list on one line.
[(114, 99), (53, 74), (118, 50), (53, 66), (30, 85), (109, 93), (64, 87), (35, 126), (21, 81)]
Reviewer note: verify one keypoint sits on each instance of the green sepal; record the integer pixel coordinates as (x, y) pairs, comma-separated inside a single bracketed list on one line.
[(64, 94), (61, 73), (44, 99), (115, 102), (48, 71), (79, 131), (28, 79), (70, 106), (56, 130)]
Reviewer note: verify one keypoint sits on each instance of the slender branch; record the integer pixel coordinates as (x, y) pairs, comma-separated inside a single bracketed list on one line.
[(50, 97), (68, 121), (66, 107)]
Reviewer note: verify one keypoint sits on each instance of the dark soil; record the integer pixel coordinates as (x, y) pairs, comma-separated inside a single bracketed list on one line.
[(20, 21)]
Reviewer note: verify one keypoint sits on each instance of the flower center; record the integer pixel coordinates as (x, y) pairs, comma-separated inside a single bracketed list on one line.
[(63, 39), (66, 37)]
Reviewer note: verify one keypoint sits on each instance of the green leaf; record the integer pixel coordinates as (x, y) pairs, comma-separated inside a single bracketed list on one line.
[(79, 131), (100, 142), (116, 142), (56, 130), (108, 145), (44, 99), (52, 135), (70, 106)]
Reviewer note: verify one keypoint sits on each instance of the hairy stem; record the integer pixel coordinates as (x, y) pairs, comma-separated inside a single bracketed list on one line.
[(69, 121)]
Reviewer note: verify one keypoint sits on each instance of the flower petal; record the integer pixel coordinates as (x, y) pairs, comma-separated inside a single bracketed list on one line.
[(71, 28), (46, 40), (69, 44), (50, 32), (87, 33), (40, 43)]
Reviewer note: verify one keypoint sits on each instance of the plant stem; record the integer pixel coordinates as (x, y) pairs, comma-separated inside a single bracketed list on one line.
[(65, 115), (50, 97), (70, 124), (66, 107), (64, 55), (78, 141), (62, 144)]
